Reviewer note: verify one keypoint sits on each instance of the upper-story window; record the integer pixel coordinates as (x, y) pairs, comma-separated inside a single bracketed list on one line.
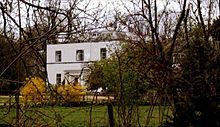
[(103, 53), (79, 55), (58, 57)]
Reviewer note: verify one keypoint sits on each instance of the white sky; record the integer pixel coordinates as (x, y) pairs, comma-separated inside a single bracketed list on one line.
[(109, 7)]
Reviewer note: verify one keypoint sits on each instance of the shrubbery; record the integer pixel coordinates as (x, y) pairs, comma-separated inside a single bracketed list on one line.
[(34, 90), (70, 92)]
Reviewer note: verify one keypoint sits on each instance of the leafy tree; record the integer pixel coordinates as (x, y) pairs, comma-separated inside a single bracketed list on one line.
[(196, 86), (95, 79), (105, 73), (117, 75), (185, 83)]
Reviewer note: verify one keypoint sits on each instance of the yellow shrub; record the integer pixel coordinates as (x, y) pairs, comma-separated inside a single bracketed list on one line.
[(33, 89), (71, 92)]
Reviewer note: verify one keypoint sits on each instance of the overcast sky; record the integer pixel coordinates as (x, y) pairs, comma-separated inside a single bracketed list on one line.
[(108, 6)]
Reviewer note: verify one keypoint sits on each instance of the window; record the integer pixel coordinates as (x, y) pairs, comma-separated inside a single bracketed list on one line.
[(79, 55), (58, 56), (58, 78), (103, 53)]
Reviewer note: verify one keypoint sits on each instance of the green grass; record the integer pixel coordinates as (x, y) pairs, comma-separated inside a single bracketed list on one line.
[(69, 116), (65, 116)]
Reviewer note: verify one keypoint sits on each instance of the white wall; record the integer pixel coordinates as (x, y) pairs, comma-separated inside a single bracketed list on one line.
[(68, 54)]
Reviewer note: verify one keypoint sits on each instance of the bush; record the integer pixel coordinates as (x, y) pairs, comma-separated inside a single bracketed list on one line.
[(34, 89), (71, 92)]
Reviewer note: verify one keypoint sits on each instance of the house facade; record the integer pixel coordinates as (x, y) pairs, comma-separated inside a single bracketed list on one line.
[(65, 62)]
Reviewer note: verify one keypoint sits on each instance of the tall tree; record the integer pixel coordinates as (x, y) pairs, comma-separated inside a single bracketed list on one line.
[(172, 35), (28, 26)]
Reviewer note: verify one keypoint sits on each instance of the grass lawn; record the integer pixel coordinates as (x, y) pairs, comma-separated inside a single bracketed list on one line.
[(69, 116)]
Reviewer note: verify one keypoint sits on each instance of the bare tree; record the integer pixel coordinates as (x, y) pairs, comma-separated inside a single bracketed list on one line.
[(168, 30), (29, 26)]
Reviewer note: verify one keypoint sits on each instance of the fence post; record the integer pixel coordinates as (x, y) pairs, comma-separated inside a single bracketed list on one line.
[(17, 108), (96, 98), (111, 115), (108, 99)]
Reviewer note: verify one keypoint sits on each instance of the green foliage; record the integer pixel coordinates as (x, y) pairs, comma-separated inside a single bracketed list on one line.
[(119, 75), (95, 79), (195, 88), (116, 72)]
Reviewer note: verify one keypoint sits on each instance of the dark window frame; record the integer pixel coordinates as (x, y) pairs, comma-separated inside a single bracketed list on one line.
[(80, 55), (58, 78), (103, 53), (58, 56)]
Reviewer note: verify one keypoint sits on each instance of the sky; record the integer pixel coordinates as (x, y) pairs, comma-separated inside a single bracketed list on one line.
[(108, 6)]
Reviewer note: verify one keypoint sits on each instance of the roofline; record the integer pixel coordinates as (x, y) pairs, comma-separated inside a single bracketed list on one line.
[(83, 42)]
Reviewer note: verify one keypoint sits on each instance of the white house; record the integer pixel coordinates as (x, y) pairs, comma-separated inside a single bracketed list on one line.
[(65, 62)]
